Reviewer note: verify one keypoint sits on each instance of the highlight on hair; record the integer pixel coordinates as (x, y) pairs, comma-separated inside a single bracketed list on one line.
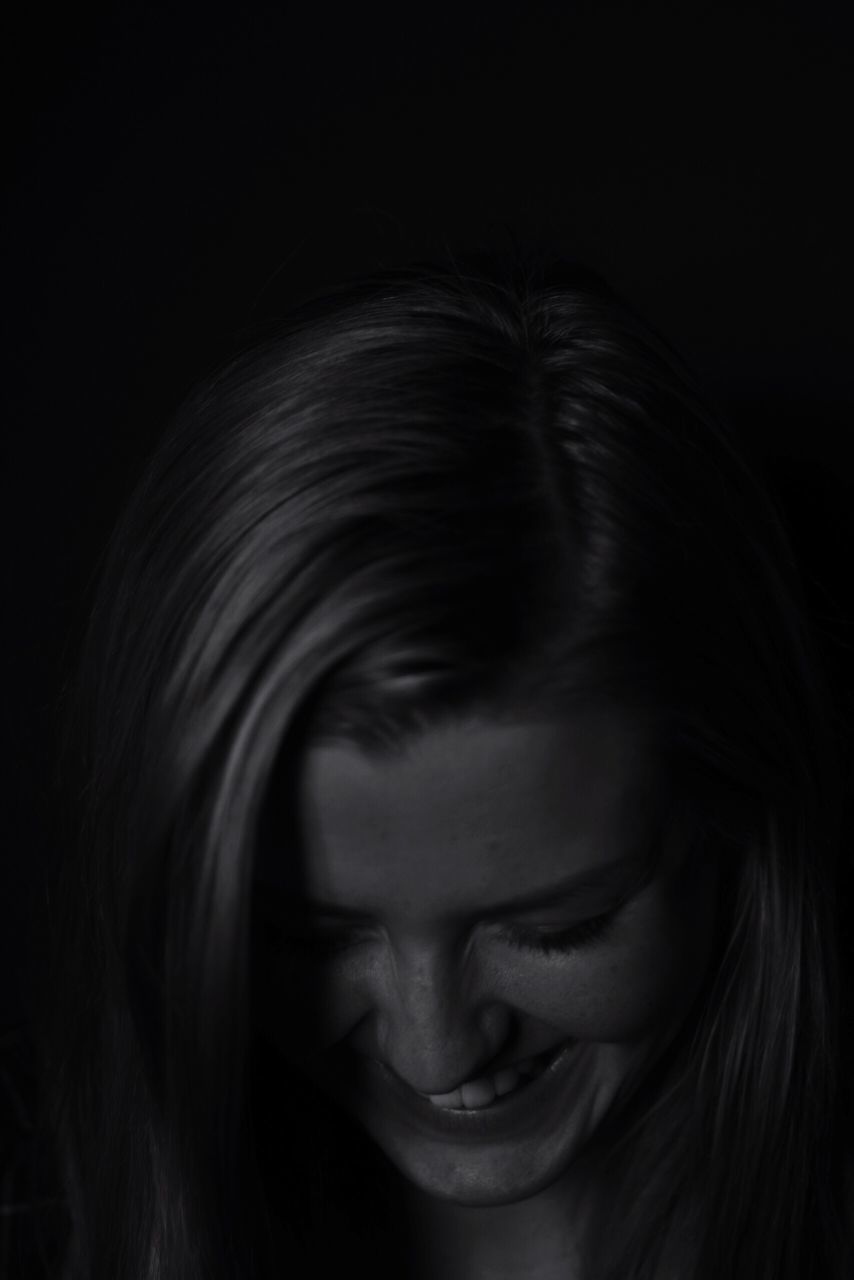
[(441, 489)]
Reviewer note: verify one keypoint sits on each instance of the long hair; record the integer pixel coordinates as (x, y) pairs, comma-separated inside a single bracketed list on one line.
[(437, 490)]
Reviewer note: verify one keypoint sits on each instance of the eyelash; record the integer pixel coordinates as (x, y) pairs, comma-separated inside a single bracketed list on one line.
[(574, 938)]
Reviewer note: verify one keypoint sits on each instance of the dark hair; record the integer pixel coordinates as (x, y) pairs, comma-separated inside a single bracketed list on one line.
[(441, 489)]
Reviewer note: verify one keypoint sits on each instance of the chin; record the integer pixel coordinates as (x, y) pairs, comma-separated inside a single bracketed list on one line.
[(476, 1184), (481, 1175)]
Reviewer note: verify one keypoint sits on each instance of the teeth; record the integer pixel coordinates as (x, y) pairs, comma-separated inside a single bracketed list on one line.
[(453, 1099), (478, 1093), (506, 1080), (475, 1094), (471, 1096)]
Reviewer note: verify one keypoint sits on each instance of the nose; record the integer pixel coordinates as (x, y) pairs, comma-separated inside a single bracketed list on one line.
[(434, 1023)]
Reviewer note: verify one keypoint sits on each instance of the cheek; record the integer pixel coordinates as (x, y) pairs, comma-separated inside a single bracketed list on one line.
[(624, 993), (639, 981), (642, 980)]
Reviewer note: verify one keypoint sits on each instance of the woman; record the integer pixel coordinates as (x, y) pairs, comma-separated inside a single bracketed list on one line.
[(462, 820)]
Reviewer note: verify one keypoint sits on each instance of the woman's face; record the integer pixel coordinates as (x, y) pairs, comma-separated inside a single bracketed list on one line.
[(428, 933)]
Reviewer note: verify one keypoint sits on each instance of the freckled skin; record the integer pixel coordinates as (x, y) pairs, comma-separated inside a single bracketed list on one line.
[(472, 814)]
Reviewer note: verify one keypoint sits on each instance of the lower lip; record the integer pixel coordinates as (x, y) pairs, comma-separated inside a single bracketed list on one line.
[(515, 1114)]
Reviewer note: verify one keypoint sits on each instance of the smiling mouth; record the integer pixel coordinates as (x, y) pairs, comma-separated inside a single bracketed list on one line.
[(495, 1117), (369, 1088), (475, 1095)]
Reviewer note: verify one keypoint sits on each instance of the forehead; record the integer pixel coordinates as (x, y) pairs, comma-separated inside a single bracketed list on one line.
[(471, 808)]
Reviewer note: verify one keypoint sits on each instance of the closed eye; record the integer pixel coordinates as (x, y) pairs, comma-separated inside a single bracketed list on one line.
[(573, 938), (322, 942)]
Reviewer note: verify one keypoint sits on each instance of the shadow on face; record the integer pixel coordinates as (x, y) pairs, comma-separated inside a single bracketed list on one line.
[(492, 894)]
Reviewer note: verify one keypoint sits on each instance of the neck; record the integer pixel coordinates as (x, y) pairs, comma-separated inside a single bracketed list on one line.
[(539, 1238)]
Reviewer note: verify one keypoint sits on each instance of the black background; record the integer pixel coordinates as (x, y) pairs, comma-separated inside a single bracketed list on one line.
[(171, 171)]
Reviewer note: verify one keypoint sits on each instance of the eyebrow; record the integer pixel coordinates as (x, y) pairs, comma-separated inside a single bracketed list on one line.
[(563, 890)]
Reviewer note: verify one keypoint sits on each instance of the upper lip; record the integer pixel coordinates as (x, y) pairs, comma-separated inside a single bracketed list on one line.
[(491, 1070)]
